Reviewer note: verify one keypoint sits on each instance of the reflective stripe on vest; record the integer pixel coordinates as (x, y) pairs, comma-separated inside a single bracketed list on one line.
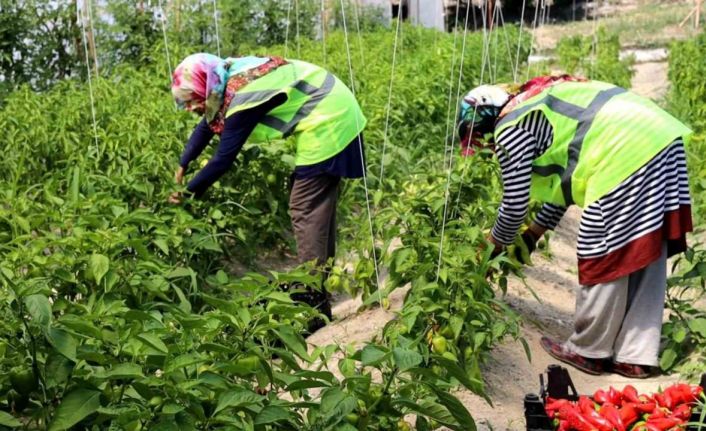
[(316, 95), (602, 134), (584, 116)]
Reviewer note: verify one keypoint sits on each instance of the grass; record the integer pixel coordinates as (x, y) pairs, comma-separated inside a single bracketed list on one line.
[(644, 24)]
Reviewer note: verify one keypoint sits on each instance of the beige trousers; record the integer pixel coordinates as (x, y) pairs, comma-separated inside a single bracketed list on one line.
[(622, 319)]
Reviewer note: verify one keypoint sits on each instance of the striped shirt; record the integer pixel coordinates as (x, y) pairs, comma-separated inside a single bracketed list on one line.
[(622, 231)]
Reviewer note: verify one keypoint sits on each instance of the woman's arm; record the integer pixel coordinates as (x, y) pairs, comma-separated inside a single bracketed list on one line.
[(516, 154), (236, 130), (199, 139)]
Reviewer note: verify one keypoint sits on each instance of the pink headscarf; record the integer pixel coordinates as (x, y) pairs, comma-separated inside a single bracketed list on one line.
[(199, 82)]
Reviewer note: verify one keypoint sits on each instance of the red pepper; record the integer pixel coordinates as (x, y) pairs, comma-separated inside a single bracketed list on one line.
[(586, 405), (682, 412), (615, 396), (588, 410), (664, 400), (630, 394), (576, 421), (663, 424), (658, 413), (628, 414), (601, 397), (646, 407), (563, 425), (684, 393), (553, 405), (611, 413)]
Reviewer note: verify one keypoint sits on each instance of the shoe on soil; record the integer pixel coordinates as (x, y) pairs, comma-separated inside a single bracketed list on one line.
[(633, 371), (559, 351)]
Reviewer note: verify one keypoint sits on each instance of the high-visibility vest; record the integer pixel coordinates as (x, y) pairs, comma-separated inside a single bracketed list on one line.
[(602, 135), (320, 111)]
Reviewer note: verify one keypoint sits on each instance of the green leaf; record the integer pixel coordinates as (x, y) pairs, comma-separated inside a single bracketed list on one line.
[(39, 309), (74, 408), (271, 414), (180, 272), (679, 334), (121, 371), (699, 326), (99, 265), (372, 355), (406, 359), (172, 409), (162, 245), (154, 342), (457, 410), (237, 398), (7, 420), (667, 360), (183, 361), (75, 183), (293, 341), (429, 409), (63, 342), (57, 370)]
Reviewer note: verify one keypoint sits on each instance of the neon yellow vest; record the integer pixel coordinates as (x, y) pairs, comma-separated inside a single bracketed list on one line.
[(602, 135), (320, 111)]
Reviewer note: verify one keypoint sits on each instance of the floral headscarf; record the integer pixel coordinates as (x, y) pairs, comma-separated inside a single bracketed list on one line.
[(207, 83), (535, 86), (199, 81)]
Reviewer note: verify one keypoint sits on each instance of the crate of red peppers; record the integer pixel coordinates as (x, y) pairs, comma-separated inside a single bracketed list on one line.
[(559, 407)]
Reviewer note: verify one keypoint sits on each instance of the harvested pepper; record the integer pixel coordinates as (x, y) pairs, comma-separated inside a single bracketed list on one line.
[(552, 406), (612, 415), (628, 414), (682, 412), (601, 397), (630, 394), (663, 424), (576, 421), (615, 396)]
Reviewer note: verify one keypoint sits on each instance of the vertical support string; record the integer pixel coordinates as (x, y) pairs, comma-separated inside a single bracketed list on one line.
[(323, 29), (453, 138), (362, 158), (82, 15), (534, 30), (519, 39), (389, 103), (286, 30), (215, 22), (448, 145)]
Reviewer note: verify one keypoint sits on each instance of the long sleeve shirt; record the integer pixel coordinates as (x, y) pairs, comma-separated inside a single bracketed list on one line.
[(349, 163), (517, 148)]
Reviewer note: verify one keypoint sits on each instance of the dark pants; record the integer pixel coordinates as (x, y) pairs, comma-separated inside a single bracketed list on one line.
[(312, 204)]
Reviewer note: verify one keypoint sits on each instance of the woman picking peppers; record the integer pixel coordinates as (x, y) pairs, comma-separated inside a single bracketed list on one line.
[(269, 98), (565, 141)]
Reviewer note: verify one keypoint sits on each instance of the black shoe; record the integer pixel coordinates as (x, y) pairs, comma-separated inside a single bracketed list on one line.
[(319, 301)]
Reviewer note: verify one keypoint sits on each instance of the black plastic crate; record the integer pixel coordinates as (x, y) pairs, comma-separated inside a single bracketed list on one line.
[(558, 384)]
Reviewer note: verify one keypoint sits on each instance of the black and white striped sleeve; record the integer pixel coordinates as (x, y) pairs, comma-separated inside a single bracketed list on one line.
[(549, 216), (516, 149)]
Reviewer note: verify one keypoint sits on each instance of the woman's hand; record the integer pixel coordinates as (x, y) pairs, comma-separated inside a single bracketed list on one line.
[(175, 198), (179, 175)]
